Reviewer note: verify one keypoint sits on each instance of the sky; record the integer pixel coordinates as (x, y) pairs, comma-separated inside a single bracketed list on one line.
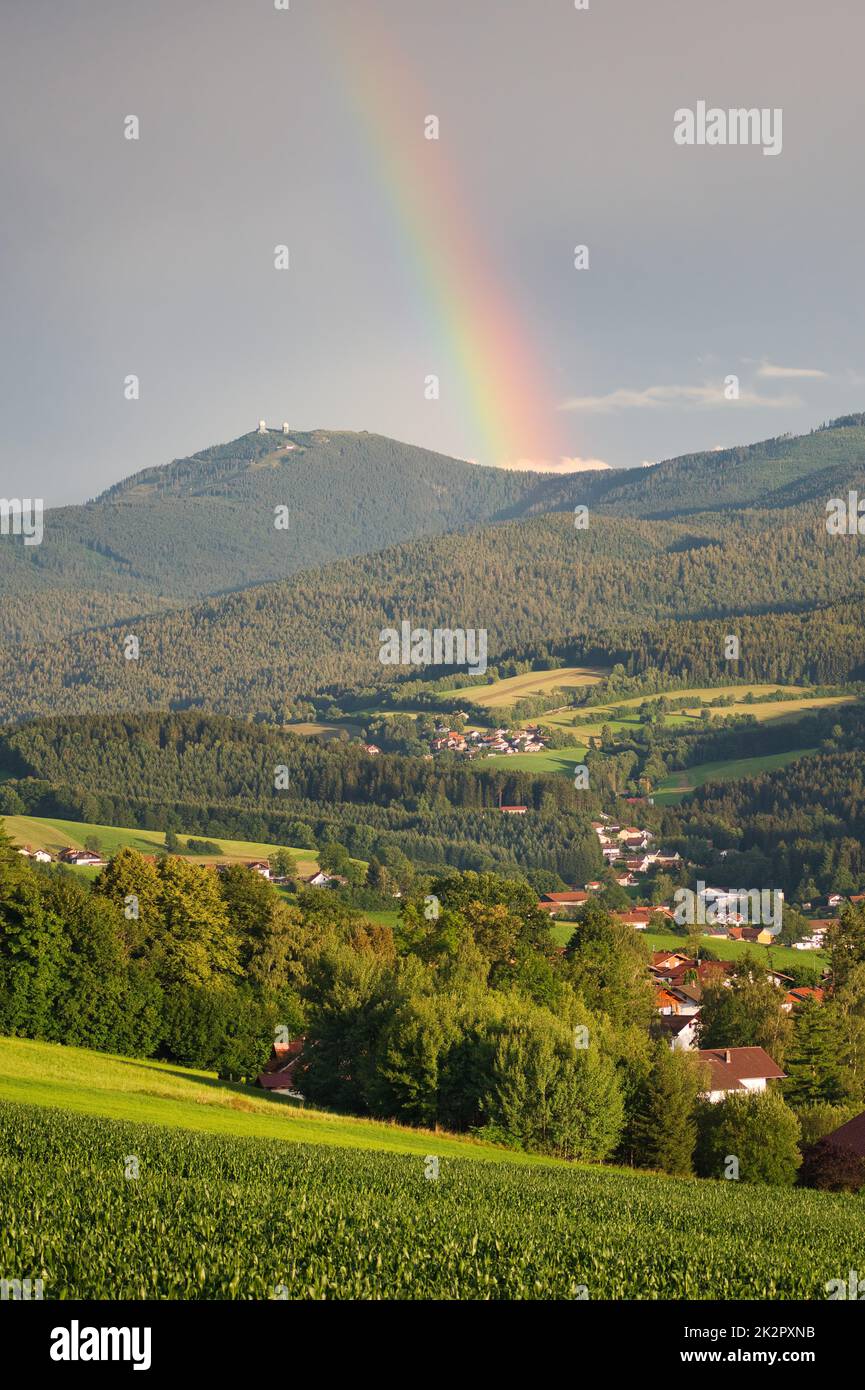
[(431, 292)]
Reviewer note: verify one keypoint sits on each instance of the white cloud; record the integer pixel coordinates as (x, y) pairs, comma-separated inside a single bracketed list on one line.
[(776, 373), (658, 397)]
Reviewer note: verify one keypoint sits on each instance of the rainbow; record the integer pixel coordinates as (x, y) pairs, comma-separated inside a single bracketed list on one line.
[(506, 398)]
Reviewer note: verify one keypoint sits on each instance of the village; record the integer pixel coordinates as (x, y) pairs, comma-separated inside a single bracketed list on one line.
[(678, 976), (473, 743)]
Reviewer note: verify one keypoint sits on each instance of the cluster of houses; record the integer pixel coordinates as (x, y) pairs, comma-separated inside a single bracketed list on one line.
[(41, 856), (64, 856), (474, 742), (564, 904), (630, 850), (679, 981)]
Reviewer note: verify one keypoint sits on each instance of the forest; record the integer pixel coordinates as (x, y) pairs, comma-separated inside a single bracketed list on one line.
[(467, 1017)]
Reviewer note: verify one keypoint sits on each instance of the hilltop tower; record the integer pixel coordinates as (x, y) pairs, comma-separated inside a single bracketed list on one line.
[(262, 427), (285, 427)]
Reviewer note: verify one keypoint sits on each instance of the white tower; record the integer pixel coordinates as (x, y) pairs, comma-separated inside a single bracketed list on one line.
[(262, 427), (285, 427)]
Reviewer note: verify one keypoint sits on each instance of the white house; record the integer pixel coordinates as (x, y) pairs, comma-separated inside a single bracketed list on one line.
[(737, 1069), (680, 1030)]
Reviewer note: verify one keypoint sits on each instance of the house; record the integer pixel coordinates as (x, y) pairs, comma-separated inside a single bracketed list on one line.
[(259, 866), (737, 1069), (40, 855), (80, 857), (514, 810), (817, 938), (372, 749), (639, 917), (680, 1030), (668, 861), (635, 839), (570, 899), (849, 1137), (801, 994), (713, 972), (782, 981), (704, 972), (280, 1072), (666, 1002), (323, 880), (639, 865), (670, 960), (689, 998)]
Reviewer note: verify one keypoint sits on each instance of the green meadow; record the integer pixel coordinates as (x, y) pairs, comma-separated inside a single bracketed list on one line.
[(43, 832), (671, 789), (160, 1093)]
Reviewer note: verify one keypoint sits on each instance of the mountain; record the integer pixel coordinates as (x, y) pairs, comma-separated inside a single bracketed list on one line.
[(206, 524), (771, 473), (671, 552), (528, 583)]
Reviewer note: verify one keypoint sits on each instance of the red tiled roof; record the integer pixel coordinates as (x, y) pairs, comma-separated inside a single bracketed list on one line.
[(803, 992), (731, 1066), (850, 1136)]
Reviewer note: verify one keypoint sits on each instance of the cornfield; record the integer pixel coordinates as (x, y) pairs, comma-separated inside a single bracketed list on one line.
[(224, 1218)]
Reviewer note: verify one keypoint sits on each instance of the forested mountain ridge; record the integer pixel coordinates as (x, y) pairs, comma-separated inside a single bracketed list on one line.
[(207, 524), (661, 595), (774, 472)]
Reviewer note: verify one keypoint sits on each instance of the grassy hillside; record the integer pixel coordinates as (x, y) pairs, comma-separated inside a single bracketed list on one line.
[(157, 1093), (43, 832), (773, 957), (670, 790), (512, 688)]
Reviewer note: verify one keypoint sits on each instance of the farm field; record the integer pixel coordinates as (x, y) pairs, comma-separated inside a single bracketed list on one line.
[(588, 721), (505, 692), (159, 1093), (678, 784), (224, 1218), (326, 732), (550, 760), (383, 918), (46, 833)]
